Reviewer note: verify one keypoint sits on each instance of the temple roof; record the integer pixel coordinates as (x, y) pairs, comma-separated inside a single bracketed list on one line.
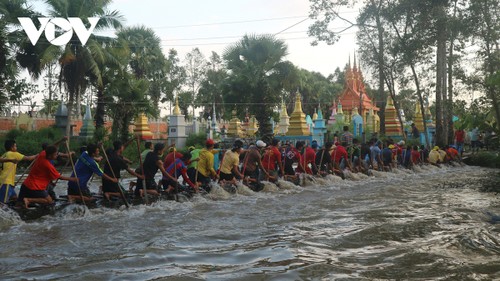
[(354, 89)]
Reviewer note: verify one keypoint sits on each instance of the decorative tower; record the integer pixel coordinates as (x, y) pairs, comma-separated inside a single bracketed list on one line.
[(419, 119), (142, 127), (392, 126), (252, 126), (319, 127), (284, 120), (309, 122), (298, 125), (234, 128), (332, 119), (177, 127), (357, 123), (88, 128)]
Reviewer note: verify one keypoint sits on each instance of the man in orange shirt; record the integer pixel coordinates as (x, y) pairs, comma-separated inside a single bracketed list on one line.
[(34, 187), (271, 156)]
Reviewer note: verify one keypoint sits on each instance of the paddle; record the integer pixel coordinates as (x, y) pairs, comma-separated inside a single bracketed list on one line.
[(74, 172), (114, 176), (142, 170)]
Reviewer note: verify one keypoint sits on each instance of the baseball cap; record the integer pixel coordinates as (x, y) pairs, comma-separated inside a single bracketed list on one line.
[(209, 142), (436, 147), (260, 144)]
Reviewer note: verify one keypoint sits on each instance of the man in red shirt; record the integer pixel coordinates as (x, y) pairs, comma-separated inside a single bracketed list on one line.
[(338, 154), (309, 157), (271, 156), (171, 156), (459, 140), (452, 153), (34, 188)]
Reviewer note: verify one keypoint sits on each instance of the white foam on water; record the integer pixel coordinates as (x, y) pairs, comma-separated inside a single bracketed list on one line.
[(9, 218), (334, 178), (269, 187), (218, 193), (243, 189), (283, 184)]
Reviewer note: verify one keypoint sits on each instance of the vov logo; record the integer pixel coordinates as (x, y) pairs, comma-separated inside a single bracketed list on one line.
[(66, 25)]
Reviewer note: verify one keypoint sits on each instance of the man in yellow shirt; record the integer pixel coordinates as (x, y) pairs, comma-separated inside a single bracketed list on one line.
[(229, 169), (8, 172), (434, 157), (205, 169)]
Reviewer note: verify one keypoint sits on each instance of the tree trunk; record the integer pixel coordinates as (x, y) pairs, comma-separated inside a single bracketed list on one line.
[(381, 77), (100, 110), (421, 100), (69, 107), (440, 73)]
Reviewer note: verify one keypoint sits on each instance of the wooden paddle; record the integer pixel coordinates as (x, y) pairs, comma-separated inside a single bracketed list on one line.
[(146, 199), (114, 176), (74, 172)]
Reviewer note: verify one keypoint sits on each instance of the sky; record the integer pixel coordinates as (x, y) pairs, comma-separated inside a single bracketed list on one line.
[(216, 24)]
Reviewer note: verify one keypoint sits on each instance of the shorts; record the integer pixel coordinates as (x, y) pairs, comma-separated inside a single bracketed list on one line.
[(7, 191), (252, 174), (109, 186), (203, 179), (74, 191), (28, 193), (191, 172), (227, 177), (167, 182)]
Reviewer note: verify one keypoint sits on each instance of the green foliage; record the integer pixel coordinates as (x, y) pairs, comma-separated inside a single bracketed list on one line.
[(30, 143), (197, 140), (484, 159)]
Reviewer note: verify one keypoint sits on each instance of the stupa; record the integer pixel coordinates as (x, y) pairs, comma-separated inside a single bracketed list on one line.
[(142, 127), (298, 125), (177, 127), (234, 128), (319, 130), (88, 128), (284, 120), (392, 125)]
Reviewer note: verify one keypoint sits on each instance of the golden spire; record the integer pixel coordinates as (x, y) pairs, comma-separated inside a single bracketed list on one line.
[(298, 103), (177, 110), (283, 109)]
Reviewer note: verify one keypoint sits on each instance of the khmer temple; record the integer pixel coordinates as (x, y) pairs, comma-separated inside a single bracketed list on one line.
[(354, 95)]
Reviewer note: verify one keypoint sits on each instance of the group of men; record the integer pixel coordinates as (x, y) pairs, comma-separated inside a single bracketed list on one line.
[(198, 167)]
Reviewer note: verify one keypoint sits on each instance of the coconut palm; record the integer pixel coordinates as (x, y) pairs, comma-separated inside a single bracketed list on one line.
[(78, 62)]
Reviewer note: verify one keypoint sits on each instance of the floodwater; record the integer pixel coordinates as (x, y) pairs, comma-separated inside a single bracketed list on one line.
[(432, 224)]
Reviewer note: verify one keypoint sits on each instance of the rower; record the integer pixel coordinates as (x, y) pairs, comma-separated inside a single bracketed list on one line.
[(253, 163), (151, 165), (34, 188), (309, 157), (205, 168), (434, 157), (113, 168), (193, 162), (8, 171), (229, 171), (173, 172), (324, 159), (85, 167), (293, 156), (272, 155)]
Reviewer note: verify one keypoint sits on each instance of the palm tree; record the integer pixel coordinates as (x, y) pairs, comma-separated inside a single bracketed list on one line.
[(77, 61), (146, 59), (256, 73), (10, 44)]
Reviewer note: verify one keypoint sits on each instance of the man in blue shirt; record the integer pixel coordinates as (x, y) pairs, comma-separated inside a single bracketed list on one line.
[(85, 167)]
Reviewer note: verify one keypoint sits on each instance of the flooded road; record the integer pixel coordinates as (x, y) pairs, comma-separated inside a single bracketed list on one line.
[(434, 224)]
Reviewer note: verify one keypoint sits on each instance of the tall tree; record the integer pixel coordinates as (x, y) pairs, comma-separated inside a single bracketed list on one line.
[(485, 18), (257, 68), (211, 88), (77, 61), (175, 76), (196, 70), (147, 60)]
